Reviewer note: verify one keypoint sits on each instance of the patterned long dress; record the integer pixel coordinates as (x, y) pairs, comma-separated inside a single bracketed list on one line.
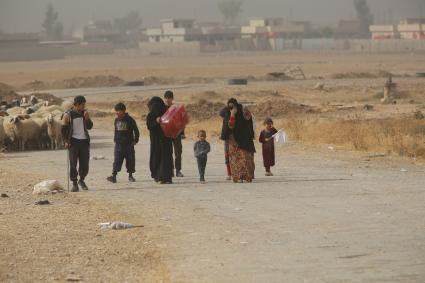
[(241, 161)]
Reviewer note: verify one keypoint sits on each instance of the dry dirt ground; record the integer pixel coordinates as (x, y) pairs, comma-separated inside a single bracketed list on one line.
[(326, 216)]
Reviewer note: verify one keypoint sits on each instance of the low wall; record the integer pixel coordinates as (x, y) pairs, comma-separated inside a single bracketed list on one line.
[(31, 53)]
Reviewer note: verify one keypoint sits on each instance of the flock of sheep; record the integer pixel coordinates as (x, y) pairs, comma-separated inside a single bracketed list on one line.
[(32, 126)]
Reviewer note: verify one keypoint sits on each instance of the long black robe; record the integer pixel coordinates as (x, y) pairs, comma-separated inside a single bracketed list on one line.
[(161, 153)]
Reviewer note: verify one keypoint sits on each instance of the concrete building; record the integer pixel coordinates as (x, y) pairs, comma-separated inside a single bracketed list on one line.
[(412, 29), (384, 32), (173, 30), (273, 33)]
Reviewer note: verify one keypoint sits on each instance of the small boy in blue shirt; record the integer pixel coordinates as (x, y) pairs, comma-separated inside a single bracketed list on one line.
[(202, 148)]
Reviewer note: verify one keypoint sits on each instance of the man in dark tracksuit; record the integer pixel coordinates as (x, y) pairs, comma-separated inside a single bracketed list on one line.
[(177, 142), (76, 123), (126, 136)]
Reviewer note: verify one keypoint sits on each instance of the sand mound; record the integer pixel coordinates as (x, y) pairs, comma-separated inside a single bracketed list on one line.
[(96, 81), (279, 108), (7, 92), (35, 85), (362, 75), (203, 109), (152, 80)]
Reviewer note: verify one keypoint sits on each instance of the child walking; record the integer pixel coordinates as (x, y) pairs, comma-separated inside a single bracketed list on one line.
[(201, 148), (267, 140), (126, 136)]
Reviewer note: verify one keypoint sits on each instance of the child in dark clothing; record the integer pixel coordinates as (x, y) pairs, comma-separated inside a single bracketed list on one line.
[(267, 140), (201, 148), (126, 136)]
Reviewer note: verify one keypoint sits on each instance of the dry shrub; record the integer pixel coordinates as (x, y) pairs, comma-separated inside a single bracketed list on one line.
[(401, 136), (203, 109)]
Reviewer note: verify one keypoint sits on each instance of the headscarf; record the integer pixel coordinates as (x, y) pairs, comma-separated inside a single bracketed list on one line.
[(157, 106), (243, 131)]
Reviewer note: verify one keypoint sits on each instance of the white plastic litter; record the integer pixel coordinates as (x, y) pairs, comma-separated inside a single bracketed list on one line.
[(281, 137), (47, 187), (116, 225), (100, 157), (403, 170)]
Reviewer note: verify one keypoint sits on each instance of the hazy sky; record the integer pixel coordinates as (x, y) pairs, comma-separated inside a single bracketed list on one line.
[(27, 15)]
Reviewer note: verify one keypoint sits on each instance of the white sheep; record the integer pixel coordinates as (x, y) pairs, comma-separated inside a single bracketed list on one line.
[(54, 130), (22, 131), (15, 111), (2, 133), (44, 139), (67, 105)]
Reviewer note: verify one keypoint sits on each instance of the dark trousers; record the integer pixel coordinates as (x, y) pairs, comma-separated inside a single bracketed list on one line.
[(121, 152), (79, 153), (202, 164), (178, 149)]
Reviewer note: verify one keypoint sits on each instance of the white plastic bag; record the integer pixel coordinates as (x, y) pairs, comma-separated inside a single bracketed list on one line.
[(47, 187), (281, 137), (117, 225)]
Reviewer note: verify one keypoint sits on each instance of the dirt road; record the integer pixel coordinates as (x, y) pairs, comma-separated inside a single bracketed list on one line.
[(325, 216)]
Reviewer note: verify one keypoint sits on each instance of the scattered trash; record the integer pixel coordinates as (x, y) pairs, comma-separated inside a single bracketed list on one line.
[(237, 82), (243, 243), (403, 170), (418, 115), (376, 155), (368, 107), (73, 278), (319, 86), (117, 225), (4, 196), (46, 187), (42, 202), (135, 83), (331, 148), (100, 157)]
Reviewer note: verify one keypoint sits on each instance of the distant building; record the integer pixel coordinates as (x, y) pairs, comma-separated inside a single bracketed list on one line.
[(412, 29), (348, 29), (101, 31), (174, 30), (384, 32), (27, 47), (273, 33)]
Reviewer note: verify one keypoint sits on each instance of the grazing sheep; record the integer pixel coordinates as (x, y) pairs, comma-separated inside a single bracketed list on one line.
[(51, 108), (15, 111), (67, 105), (44, 139), (2, 133), (22, 131), (54, 130)]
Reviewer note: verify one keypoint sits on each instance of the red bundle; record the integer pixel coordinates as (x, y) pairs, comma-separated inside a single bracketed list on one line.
[(174, 121)]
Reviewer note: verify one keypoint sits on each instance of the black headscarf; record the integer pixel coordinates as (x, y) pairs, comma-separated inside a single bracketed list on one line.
[(243, 132), (157, 106)]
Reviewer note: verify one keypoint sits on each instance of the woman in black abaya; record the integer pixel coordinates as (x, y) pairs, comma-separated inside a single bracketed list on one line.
[(161, 153)]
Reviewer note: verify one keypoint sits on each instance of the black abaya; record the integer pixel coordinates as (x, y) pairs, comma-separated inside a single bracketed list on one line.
[(161, 153)]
